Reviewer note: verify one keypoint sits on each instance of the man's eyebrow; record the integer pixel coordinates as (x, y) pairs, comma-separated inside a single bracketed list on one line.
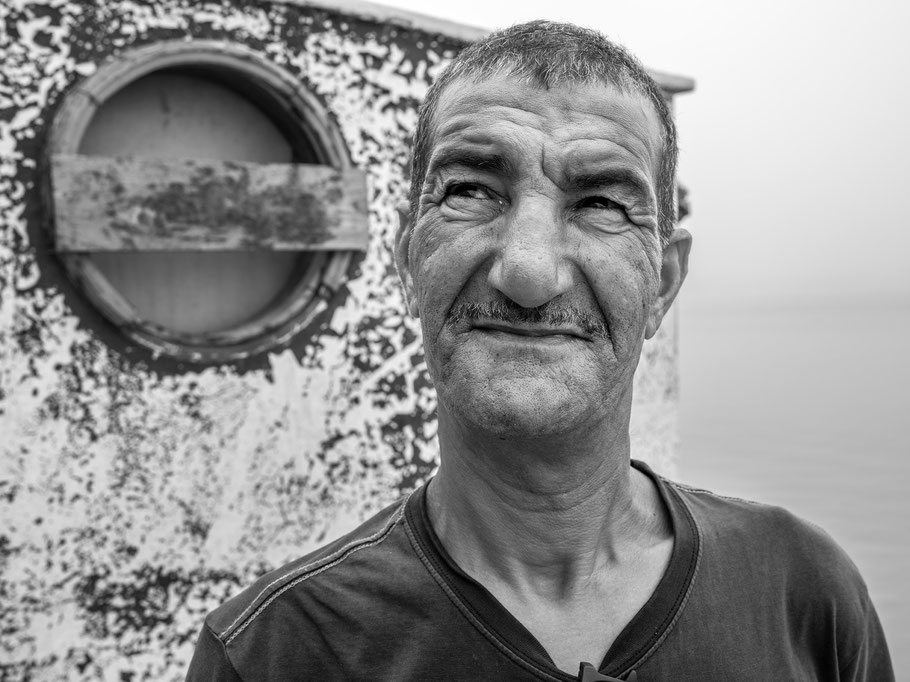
[(469, 158), (628, 179)]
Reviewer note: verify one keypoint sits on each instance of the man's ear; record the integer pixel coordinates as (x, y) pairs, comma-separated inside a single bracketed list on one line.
[(673, 271), (402, 257)]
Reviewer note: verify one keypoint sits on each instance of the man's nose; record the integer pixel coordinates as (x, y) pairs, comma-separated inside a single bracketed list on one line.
[(530, 266)]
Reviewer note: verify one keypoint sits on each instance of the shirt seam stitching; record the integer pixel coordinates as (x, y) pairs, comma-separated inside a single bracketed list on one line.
[(693, 489), (227, 656), (326, 563)]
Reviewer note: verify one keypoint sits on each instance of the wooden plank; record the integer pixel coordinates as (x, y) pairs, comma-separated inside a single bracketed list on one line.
[(138, 204)]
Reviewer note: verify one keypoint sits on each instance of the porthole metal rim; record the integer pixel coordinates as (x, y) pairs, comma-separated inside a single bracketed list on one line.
[(323, 276)]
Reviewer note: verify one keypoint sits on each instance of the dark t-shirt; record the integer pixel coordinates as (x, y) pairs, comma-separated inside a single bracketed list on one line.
[(751, 593)]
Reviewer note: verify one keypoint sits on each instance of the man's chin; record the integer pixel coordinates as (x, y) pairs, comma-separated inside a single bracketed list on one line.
[(520, 410)]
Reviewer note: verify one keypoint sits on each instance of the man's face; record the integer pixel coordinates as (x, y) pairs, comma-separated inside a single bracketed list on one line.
[(534, 259)]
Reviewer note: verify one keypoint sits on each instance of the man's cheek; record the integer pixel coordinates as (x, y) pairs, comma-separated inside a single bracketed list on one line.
[(624, 298), (433, 301), (444, 265), (428, 231)]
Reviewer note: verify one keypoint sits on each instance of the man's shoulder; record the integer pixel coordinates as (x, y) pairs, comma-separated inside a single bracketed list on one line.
[(314, 571), (720, 515), (774, 540), (786, 576)]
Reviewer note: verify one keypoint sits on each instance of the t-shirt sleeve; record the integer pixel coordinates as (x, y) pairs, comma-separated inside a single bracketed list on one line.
[(871, 662), (210, 661), (842, 601)]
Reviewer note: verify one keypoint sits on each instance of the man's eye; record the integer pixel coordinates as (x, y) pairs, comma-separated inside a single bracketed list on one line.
[(600, 203), (602, 214), (468, 190)]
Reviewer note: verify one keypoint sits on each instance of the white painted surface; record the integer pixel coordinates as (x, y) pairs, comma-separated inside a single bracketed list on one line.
[(136, 497)]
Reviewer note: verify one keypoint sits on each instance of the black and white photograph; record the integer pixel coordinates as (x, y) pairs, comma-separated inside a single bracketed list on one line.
[(398, 341)]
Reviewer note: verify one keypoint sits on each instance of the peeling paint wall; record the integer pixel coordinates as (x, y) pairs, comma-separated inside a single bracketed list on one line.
[(136, 495)]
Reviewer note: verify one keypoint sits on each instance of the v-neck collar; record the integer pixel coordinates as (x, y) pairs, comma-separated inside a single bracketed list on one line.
[(635, 643)]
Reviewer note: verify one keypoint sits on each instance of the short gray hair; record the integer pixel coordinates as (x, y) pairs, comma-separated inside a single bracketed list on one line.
[(545, 54)]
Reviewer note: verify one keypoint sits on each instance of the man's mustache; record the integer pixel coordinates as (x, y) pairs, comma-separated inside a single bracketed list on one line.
[(550, 314)]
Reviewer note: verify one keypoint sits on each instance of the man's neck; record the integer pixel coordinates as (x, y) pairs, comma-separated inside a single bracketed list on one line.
[(571, 541), (540, 520)]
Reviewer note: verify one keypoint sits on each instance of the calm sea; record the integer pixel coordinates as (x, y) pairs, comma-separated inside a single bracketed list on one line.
[(808, 406)]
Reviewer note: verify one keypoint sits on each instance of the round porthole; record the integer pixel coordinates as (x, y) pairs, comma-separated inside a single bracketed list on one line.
[(203, 201)]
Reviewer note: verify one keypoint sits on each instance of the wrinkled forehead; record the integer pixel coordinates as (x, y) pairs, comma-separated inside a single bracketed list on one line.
[(566, 113)]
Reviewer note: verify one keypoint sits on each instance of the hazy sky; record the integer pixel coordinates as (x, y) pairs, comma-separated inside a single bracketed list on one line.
[(795, 143)]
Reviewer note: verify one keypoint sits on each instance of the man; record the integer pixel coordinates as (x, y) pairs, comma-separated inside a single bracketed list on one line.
[(539, 251)]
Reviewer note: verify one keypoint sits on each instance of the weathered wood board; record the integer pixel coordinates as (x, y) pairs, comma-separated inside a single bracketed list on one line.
[(133, 204)]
